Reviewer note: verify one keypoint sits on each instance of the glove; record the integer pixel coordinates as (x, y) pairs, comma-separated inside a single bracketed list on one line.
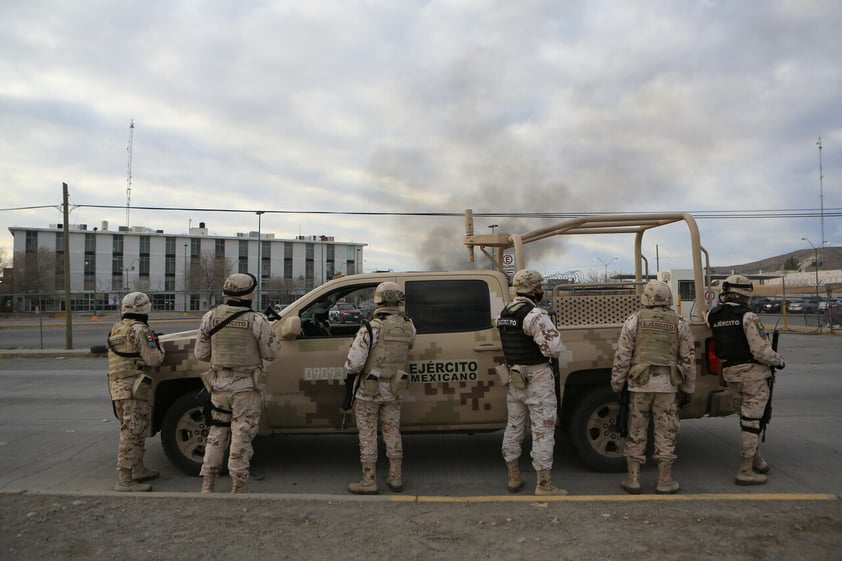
[(781, 365), (685, 400)]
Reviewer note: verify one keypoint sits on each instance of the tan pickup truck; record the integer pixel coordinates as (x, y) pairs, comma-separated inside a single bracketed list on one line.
[(453, 384)]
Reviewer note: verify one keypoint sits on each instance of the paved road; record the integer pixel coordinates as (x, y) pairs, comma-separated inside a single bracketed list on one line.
[(58, 434)]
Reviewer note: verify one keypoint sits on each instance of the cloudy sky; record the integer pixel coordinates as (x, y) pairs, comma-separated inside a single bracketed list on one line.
[(429, 107)]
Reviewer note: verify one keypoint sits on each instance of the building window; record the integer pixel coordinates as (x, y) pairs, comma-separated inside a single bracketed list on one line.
[(143, 258), (31, 241), (309, 263), (243, 257), (287, 260), (265, 260), (219, 248), (330, 264)]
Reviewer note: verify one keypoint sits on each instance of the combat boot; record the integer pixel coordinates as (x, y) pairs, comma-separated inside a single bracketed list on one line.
[(746, 475), (394, 482), (545, 485), (632, 481), (143, 473), (125, 483), (238, 485), (208, 482), (759, 464), (515, 480), (665, 485), (368, 484)]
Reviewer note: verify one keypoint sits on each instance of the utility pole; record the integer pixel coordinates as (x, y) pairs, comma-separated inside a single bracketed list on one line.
[(129, 173), (68, 319), (821, 198)]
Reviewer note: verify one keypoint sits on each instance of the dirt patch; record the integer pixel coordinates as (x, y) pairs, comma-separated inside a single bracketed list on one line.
[(221, 527)]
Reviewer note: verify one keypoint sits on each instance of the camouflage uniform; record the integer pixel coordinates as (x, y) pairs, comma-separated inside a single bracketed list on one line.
[(131, 336), (235, 388), (748, 383), (652, 390), (537, 403), (382, 406)]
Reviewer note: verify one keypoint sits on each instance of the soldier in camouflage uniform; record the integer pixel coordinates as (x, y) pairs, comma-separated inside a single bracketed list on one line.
[(379, 357), (530, 340), (235, 340), (742, 345), (132, 350), (655, 356)]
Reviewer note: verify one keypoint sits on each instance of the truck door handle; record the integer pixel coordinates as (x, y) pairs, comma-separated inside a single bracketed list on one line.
[(486, 348)]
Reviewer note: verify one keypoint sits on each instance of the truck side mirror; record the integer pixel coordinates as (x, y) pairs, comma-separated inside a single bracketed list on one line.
[(290, 328)]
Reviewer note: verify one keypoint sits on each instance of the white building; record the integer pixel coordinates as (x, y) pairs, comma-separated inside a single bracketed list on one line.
[(178, 271)]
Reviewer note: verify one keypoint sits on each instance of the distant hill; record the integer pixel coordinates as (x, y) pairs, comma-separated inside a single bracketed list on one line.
[(831, 259)]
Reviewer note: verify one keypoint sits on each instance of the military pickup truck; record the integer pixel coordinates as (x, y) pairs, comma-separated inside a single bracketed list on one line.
[(453, 385)]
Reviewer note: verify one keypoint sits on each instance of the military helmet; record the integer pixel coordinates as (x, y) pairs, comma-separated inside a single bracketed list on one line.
[(136, 303), (656, 293), (526, 281), (737, 284), (240, 286), (388, 293)]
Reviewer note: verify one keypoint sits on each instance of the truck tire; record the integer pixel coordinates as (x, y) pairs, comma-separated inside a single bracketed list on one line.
[(594, 431), (184, 432)]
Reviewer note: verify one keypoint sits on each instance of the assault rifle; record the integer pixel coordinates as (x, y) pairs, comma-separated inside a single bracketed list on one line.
[(352, 382), (767, 412), (623, 412)]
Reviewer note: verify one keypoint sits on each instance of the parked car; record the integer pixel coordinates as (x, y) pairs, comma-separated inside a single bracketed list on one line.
[(811, 304), (344, 313), (795, 306), (771, 306), (756, 304)]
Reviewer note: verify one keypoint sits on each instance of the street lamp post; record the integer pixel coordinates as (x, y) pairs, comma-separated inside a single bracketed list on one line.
[(185, 278), (493, 249), (259, 259), (605, 264)]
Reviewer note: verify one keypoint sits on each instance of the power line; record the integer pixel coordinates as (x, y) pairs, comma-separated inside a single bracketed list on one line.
[(701, 214)]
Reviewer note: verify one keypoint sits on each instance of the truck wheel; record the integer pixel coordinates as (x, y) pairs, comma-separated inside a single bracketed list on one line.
[(594, 431), (183, 433)]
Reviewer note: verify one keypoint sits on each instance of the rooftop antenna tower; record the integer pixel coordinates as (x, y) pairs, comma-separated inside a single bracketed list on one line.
[(129, 173)]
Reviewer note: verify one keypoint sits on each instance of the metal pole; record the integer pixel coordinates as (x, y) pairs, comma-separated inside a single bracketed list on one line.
[(259, 260), (68, 318), (185, 278)]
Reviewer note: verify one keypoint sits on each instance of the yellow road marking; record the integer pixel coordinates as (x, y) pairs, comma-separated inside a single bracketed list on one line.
[(618, 498)]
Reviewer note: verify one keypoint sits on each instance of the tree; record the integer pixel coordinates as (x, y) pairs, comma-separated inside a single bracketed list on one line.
[(791, 264), (212, 272)]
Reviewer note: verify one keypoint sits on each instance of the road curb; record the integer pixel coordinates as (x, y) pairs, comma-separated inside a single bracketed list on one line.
[(427, 499)]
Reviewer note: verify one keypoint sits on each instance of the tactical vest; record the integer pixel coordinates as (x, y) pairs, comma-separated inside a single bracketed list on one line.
[(234, 346), (657, 338), (730, 343), (518, 347), (128, 364), (389, 354)]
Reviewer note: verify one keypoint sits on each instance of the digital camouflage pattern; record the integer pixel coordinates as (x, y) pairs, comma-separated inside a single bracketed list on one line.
[(658, 379), (653, 393), (235, 390), (747, 382), (536, 403), (382, 408), (453, 385), (133, 414)]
